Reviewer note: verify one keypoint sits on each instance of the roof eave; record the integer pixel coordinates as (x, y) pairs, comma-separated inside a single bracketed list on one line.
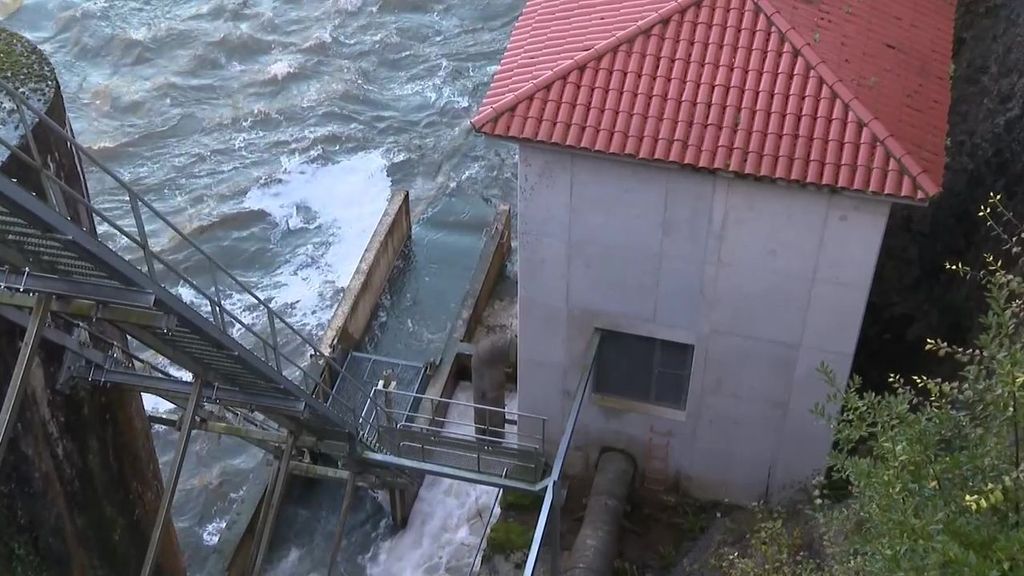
[(923, 198)]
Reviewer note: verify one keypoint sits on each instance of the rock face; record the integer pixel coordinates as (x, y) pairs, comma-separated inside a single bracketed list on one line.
[(914, 297), (80, 483)]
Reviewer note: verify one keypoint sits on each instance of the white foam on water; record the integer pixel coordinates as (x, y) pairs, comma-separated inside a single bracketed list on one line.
[(280, 69), (212, 531), (349, 5), (343, 202), (156, 404), (447, 522)]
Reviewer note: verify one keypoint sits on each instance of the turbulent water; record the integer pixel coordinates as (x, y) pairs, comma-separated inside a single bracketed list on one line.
[(274, 131)]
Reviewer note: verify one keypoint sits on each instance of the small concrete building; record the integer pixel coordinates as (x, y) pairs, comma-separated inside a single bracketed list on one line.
[(707, 183)]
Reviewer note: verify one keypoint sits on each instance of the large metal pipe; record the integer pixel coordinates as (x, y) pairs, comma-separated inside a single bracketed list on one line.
[(596, 546), (490, 358)]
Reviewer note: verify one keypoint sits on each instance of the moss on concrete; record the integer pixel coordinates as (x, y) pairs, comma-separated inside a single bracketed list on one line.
[(25, 67), (18, 553), (508, 537), (520, 501)]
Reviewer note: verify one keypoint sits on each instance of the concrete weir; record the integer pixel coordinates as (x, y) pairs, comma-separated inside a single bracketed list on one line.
[(360, 311), (347, 326)]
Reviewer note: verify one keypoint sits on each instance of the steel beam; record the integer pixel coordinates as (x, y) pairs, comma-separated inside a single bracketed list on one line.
[(88, 309), (268, 440), (16, 388), (319, 472), (280, 484), (98, 358), (161, 386), (172, 483), (461, 474), (27, 281)]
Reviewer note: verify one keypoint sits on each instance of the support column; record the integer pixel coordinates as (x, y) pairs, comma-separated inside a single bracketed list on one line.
[(263, 514), (339, 538), (172, 483), (16, 389), (275, 496)]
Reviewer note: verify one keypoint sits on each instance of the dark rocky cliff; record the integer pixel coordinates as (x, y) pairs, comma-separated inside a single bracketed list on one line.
[(80, 483), (914, 297)]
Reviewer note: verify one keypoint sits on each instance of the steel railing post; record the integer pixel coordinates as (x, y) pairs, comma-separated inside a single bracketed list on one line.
[(219, 315), (273, 338)]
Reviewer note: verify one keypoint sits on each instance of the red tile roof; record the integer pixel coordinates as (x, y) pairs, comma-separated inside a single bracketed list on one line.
[(849, 94)]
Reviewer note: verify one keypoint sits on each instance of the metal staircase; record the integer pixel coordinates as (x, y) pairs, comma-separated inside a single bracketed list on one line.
[(65, 258)]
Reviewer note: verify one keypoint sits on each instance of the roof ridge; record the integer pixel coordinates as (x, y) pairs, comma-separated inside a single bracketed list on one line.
[(579, 61), (868, 119)]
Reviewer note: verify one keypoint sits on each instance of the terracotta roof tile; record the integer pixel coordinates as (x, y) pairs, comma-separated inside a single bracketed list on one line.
[(842, 94)]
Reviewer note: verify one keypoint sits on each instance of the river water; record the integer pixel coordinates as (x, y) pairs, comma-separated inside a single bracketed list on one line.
[(274, 131)]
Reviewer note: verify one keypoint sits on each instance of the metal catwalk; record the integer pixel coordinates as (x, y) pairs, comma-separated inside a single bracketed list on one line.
[(253, 374)]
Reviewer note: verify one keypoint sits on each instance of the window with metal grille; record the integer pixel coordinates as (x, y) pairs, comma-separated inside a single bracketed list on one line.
[(643, 369)]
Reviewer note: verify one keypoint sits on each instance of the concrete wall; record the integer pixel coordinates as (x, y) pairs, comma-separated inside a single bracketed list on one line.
[(359, 301), (766, 280)]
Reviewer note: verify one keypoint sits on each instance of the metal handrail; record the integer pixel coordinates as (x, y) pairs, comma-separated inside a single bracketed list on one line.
[(135, 196), (521, 417), (487, 524), (586, 376), (152, 368), (461, 403), (217, 306), (481, 440)]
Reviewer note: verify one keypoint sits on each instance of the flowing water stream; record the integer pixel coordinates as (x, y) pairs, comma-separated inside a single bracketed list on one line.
[(273, 131)]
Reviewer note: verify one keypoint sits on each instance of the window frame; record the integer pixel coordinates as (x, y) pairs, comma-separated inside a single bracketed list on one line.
[(649, 403)]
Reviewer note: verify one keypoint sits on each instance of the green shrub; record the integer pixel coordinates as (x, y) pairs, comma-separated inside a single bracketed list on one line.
[(774, 547), (507, 537), (521, 501)]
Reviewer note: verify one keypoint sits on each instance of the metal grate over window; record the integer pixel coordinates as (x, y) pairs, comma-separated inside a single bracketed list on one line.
[(643, 369)]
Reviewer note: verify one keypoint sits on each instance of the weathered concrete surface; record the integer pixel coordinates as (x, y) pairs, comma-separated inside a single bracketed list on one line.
[(765, 280), (80, 484), (362, 294), (488, 272)]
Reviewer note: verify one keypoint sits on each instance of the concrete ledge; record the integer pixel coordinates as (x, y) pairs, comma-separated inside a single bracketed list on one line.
[(347, 325), (353, 314), (454, 363)]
